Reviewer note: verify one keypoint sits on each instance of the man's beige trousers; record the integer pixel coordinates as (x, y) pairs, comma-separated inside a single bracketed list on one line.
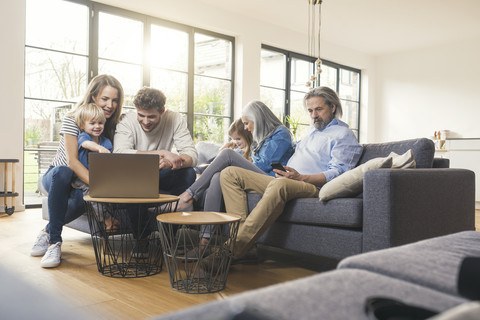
[(237, 182)]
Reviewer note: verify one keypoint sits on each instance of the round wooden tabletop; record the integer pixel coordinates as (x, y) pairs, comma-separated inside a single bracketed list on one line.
[(198, 217), (162, 198)]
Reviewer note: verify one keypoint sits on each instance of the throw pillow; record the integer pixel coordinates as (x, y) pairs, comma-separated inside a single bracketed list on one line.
[(350, 183), (406, 160), (464, 311)]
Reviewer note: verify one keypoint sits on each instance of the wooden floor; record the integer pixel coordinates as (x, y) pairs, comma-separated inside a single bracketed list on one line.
[(78, 281)]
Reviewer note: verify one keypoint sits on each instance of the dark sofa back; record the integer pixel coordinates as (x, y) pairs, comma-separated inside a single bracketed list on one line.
[(423, 150)]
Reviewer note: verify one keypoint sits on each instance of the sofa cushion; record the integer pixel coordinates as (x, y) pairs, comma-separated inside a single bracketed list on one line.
[(22, 297), (344, 212), (338, 294), (423, 150), (432, 263), (465, 311), (207, 151), (350, 183)]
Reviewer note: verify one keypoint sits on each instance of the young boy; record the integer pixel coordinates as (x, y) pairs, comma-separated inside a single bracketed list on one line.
[(91, 119)]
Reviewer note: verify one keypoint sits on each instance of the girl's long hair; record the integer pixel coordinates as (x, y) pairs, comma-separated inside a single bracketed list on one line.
[(238, 128)]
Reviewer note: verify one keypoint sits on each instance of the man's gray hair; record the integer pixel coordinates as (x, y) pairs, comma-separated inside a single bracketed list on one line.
[(331, 99)]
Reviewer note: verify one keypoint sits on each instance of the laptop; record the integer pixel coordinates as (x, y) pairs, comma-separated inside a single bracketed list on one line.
[(117, 175)]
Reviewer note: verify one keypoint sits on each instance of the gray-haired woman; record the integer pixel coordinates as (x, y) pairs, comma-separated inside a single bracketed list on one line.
[(272, 143)]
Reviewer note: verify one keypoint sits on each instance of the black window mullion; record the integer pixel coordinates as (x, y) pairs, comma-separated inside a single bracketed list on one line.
[(232, 82), (336, 66), (337, 87), (288, 78), (147, 41), (93, 43), (191, 80)]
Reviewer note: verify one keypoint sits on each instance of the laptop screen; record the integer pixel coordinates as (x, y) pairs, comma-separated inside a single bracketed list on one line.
[(117, 175)]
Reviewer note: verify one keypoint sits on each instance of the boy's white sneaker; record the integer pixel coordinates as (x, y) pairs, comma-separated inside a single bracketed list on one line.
[(53, 256), (41, 244)]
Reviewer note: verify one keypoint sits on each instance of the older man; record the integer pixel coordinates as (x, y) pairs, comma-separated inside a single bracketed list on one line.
[(329, 149)]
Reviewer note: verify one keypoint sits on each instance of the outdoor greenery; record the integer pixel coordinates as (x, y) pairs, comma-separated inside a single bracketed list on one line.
[(30, 177), (210, 128), (33, 135), (293, 124)]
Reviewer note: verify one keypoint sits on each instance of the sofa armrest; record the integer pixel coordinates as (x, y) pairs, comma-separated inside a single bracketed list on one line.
[(441, 163), (406, 205)]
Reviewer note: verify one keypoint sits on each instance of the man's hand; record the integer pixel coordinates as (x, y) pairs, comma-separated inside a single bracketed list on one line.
[(164, 164), (172, 161), (289, 174), (315, 179)]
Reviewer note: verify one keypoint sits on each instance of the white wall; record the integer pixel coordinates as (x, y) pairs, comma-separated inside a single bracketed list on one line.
[(427, 90), (12, 31)]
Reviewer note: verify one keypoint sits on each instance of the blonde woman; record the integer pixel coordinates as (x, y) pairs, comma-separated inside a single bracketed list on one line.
[(65, 203)]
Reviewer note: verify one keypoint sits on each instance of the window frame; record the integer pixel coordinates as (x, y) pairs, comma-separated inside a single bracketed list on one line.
[(92, 61), (148, 21), (289, 55)]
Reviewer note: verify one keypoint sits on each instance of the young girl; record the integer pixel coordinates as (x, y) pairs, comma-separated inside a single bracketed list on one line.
[(241, 139), (64, 203)]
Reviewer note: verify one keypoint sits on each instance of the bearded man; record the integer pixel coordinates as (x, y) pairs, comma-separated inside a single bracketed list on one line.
[(328, 149)]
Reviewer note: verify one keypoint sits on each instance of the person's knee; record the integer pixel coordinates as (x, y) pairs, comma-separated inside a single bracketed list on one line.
[(226, 152), (63, 173), (279, 184), (228, 173)]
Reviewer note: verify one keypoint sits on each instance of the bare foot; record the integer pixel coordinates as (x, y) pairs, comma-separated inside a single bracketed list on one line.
[(111, 224), (185, 201), (204, 242)]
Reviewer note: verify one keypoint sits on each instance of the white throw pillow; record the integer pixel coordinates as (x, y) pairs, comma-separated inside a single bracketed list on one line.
[(464, 311), (406, 160), (350, 183)]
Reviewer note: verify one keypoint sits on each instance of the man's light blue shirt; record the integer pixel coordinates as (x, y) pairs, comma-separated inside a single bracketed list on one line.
[(331, 151)]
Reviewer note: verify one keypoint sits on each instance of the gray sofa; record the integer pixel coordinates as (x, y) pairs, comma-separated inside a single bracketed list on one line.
[(423, 274), (397, 206)]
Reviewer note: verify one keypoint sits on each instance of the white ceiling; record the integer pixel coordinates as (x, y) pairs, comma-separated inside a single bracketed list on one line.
[(372, 26)]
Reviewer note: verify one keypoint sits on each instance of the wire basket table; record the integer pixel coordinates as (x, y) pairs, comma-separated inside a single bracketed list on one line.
[(194, 266), (124, 234)]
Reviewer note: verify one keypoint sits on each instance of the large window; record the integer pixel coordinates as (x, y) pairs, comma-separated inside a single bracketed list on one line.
[(283, 79), (68, 42)]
